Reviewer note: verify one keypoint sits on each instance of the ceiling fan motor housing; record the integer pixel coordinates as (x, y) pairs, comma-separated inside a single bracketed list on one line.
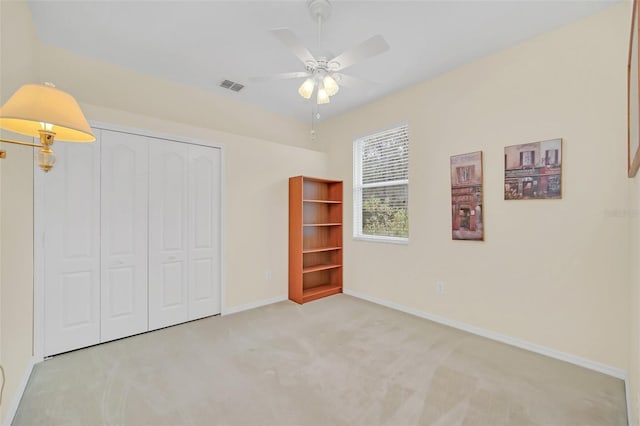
[(321, 68)]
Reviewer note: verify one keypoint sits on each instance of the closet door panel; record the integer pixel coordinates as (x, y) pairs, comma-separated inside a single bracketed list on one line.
[(124, 192), (168, 217), (71, 211), (204, 231)]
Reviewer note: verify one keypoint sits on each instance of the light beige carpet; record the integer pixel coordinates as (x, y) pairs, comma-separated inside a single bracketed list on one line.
[(335, 361)]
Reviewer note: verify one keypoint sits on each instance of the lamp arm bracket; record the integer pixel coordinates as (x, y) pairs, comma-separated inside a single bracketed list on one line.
[(37, 145)]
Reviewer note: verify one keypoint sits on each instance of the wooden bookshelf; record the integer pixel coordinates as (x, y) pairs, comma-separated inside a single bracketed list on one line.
[(315, 238)]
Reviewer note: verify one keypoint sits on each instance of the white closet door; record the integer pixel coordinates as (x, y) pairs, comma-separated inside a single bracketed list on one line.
[(168, 186), (124, 192), (72, 246), (204, 231)]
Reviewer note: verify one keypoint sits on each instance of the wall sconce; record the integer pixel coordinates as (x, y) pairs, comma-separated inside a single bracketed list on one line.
[(42, 111)]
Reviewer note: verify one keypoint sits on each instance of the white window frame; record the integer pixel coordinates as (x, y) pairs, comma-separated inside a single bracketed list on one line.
[(358, 187)]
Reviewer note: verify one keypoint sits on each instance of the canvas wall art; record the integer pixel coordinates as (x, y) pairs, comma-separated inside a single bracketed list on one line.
[(466, 197), (533, 170)]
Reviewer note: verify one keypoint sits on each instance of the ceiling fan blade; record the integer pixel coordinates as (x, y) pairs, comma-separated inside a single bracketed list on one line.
[(282, 76), (348, 81), (368, 48), (289, 39)]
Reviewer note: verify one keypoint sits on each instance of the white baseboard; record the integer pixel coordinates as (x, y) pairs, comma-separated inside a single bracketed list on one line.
[(582, 362), (253, 305), (13, 408)]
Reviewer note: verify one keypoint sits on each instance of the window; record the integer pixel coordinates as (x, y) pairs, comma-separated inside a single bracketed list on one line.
[(381, 185), (527, 158), (465, 173)]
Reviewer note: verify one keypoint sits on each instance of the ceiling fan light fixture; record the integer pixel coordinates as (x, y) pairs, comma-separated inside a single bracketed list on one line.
[(322, 74), (330, 85), (306, 88), (323, 96)]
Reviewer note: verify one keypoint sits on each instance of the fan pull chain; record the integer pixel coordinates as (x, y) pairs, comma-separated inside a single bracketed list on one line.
[(313, 131)]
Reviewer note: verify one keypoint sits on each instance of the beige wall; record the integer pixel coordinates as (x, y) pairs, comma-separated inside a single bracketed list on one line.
[(634, 299), (17, 66), (633, 215), (98, 83), (261, 151), (553, 273), (571, 296)]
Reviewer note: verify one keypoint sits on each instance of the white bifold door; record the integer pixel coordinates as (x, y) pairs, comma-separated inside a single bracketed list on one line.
[(71, 222), (132, 238), (184, 236), (204, 241), (124, 247)]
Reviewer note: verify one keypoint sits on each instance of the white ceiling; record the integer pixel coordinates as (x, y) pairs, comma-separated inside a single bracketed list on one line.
[(201, 43)]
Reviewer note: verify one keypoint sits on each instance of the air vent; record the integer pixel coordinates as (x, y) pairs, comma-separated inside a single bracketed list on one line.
[(232, 85)]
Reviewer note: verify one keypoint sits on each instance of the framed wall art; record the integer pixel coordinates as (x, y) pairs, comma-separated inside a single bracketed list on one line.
[(633, 98), (467, 214), (533, 170)]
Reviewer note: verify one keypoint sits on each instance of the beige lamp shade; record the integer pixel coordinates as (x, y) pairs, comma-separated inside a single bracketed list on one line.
[(34, 106)]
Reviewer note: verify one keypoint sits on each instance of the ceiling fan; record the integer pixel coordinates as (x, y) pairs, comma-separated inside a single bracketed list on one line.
[(323, 75)]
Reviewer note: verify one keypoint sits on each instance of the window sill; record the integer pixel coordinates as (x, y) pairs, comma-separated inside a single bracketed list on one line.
[(376, 239)]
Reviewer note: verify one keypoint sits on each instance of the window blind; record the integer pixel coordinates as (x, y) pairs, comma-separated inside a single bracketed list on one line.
[(381, 185)]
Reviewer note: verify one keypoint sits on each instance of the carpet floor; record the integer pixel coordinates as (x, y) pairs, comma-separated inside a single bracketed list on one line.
[(335, 361)]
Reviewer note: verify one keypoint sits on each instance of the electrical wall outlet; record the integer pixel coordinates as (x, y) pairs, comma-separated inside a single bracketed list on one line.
[(267, 276), (440, 287)]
